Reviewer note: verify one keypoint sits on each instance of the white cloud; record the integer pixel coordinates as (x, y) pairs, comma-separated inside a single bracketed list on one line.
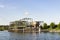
[(2, 6), (26, 13), (10, 7), (7, 6)]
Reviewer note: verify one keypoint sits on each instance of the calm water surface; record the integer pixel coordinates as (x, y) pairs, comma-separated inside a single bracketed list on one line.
[(5, 35)]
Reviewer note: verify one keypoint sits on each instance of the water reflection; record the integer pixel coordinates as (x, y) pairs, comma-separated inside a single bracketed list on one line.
[(4, 35), (34, 36)]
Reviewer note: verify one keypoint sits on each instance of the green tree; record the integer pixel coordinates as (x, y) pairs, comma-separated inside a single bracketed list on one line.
[(45, 26), (58, 26), (52, 25)]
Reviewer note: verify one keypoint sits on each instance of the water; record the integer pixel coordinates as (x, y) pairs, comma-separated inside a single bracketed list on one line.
[(5, 35)]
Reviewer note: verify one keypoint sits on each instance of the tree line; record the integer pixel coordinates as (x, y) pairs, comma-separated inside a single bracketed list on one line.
[(51, 26)]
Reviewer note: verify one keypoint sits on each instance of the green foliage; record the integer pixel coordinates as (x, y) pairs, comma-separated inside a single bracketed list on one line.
[(58, 26), (52, 25), (45, 26), (1, 28)]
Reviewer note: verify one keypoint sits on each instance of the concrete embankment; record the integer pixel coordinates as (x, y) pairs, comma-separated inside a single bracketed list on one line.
[(27, 30), (42, 30)]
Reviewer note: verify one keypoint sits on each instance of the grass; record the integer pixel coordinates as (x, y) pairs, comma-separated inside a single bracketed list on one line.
[(57, 28)]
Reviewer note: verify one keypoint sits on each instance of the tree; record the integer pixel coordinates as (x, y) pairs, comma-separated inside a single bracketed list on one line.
[(45, 26), (52, 25), (58, 26)]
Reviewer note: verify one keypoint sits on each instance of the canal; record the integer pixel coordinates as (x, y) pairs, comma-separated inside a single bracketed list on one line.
[(5, 35)]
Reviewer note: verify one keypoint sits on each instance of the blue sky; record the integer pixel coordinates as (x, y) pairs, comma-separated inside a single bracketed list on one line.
[(43, 10)]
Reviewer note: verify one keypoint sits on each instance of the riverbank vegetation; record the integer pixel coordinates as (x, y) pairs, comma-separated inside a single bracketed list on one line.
[(51, 27), (4, 27)]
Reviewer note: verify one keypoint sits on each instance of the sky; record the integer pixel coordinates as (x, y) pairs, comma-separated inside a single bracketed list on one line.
[(41, 10)]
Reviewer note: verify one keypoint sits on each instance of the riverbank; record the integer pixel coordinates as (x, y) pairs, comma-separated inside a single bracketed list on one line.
[(54, 30), (44, 30)]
